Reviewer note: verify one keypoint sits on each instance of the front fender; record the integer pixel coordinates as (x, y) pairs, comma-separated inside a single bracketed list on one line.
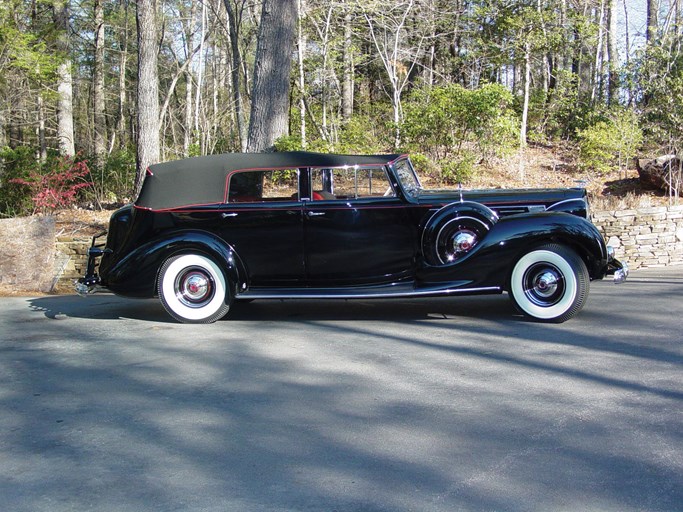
[(135, 274), (491, 261)]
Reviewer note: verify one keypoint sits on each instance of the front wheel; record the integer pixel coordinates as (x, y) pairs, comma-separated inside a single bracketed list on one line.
[(550, 283), (193, 289)]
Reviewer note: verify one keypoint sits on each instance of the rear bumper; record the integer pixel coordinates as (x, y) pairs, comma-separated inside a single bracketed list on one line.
[(90, 282)]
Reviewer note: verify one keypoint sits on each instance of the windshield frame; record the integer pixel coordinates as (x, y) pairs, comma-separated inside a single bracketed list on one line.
[(407, 177)]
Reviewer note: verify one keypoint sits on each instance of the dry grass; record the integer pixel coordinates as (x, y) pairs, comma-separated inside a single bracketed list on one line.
[(548, 167)]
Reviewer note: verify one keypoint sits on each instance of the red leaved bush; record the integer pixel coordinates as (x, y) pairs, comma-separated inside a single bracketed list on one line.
[(59, 186)]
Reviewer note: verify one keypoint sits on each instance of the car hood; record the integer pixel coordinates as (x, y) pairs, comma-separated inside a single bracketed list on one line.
[(523, 199)]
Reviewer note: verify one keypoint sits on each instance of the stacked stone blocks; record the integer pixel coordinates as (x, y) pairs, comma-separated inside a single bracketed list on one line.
[(647, 237), (71, 260)]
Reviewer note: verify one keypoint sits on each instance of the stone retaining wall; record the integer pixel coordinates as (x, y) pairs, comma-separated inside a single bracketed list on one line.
[(71, 260), (648, 237)]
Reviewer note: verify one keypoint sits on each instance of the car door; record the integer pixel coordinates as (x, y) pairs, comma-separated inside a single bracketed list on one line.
[(356, 229), (263, 222)]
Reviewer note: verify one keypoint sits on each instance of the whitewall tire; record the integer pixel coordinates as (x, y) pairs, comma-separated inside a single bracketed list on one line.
[(550, 283), (193, 289)]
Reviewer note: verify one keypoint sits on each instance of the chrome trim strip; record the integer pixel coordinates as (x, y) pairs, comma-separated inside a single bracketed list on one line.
[(554, 205), (530, 208), (386, 295)]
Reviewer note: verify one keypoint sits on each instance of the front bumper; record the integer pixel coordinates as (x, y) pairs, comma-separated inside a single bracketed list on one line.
[(616, 268), (90, 283)]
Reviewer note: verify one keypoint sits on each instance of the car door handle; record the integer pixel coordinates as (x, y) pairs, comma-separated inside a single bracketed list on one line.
[(315, 214), (226, 215)]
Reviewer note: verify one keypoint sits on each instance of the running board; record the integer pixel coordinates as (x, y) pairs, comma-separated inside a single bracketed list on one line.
[(377, 292)]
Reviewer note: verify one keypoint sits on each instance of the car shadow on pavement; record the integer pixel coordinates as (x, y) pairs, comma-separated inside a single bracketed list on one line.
[(103, 307), (112, 307)]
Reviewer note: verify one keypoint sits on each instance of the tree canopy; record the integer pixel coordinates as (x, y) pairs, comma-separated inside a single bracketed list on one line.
[(459, 82)]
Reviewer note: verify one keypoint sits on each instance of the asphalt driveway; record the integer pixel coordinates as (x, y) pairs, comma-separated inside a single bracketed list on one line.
[(421, 405)]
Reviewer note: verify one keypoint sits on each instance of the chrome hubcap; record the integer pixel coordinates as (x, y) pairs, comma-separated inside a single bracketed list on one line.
[(194, 287), (463, 241), (544, 284), (458, 237)]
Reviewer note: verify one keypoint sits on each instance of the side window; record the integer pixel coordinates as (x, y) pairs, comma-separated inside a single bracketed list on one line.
[(350, 183), (263, 186)]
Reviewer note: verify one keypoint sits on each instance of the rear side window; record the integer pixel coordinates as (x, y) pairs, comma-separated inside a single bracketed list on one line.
[(263, 186)]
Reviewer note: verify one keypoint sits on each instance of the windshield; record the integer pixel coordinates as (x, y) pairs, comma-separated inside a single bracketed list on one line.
[(407, 177)]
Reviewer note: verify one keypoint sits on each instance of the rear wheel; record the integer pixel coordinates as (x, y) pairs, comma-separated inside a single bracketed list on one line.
[(193, 289), (550, 283)]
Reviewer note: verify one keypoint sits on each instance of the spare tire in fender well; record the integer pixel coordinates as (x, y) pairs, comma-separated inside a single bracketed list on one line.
[(454, 230)]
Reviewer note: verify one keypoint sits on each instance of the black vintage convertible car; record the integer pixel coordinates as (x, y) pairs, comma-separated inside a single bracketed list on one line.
[(207, 231)]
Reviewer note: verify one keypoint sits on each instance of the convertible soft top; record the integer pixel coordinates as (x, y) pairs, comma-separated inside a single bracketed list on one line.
[(201, 180)]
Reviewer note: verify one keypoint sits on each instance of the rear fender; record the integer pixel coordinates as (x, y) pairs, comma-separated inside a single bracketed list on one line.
[(136, 274)]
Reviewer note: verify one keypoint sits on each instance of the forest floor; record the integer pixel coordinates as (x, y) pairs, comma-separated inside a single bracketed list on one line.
[(543, 167)]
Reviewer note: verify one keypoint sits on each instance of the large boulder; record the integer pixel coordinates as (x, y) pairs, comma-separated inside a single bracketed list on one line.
[(662, 173), (27, 254)]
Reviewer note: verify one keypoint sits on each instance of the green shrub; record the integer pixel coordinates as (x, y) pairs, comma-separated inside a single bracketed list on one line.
[(461, 169), (358, 136), (449, 121), (609, 144), (19, 163), (288, 143), (113, 181), (424, 166)]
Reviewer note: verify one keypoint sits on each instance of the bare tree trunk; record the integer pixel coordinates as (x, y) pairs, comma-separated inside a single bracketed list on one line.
[(40, 130), (597, 68), (652, 11), (123, 63), (527, 87), (200, 72), (233, 27), (99, 123), (187, 134), (65, 107), (3, 123), (270, 93), (216, 66), (546, 60), (324, 96), (564, 59), (301, 44), (189, 33), (148, 146), (612, 53), (387, 38), (347, 80)]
